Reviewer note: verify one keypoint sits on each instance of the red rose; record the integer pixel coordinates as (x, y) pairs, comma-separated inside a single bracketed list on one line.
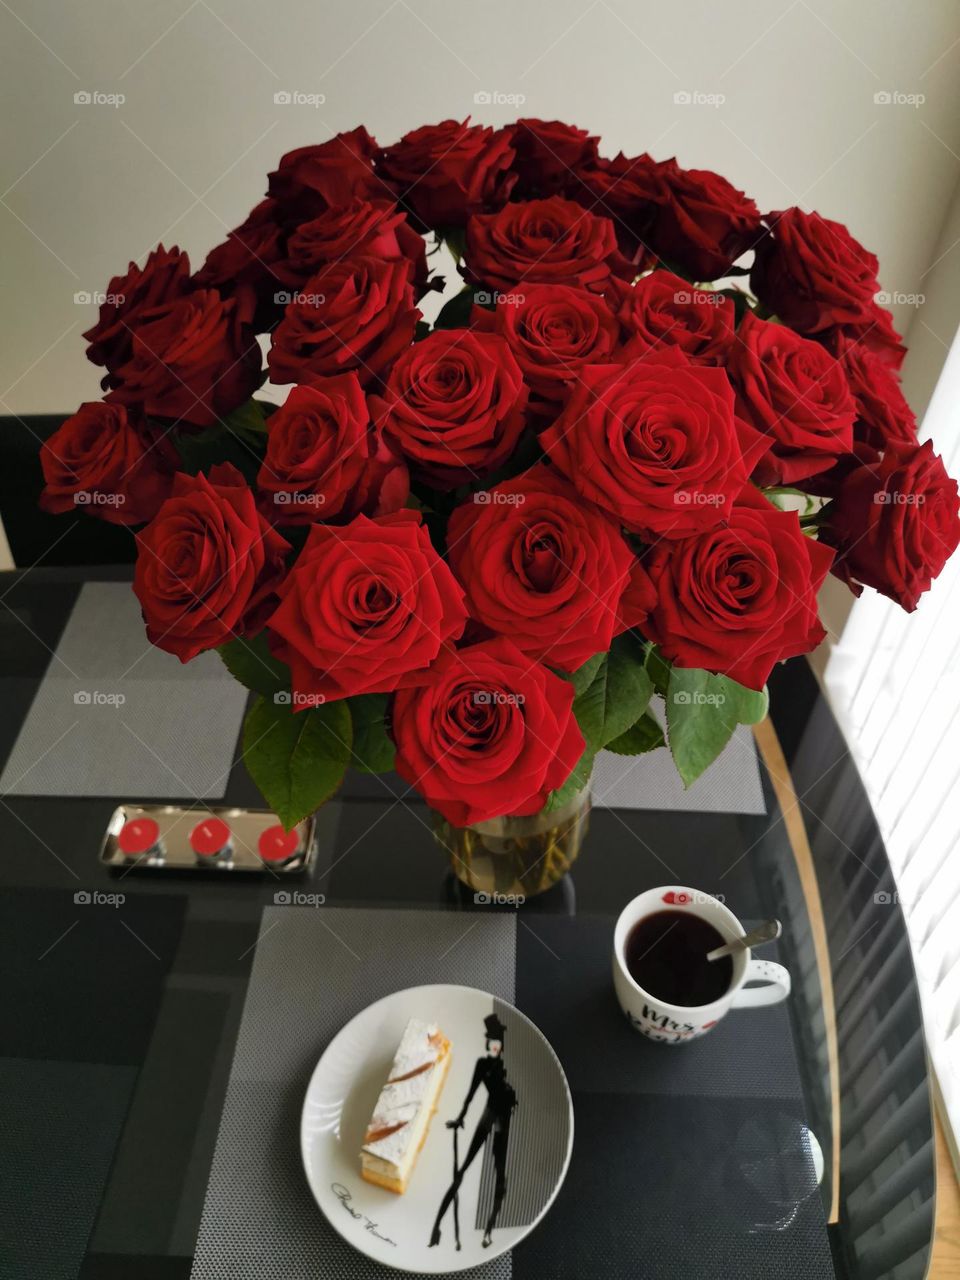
[(703, 222), (875, 333), (206, 564), (311, 179), (554, 331), (249, 257), (371, 228), (796, 393), (549, 155), (553, 241), (812, 274), (324, 460), (442, 172), (355, 314), (662, 308), (741, 597), (164, 276), (627, 190), (453, 406), (364, 605), (194, 358), (655, 442), (882, 410), (895, 522), (487, 734), (100, 461), (546, 569)]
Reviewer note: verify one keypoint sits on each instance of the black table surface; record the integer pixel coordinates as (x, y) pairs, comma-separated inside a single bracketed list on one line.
[(147, 1001)]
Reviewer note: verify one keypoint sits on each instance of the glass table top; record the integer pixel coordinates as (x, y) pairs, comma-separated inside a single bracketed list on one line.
[(119, 1025)]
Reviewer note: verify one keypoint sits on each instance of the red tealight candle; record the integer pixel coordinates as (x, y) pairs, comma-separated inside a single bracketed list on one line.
[(210, 838), (277, 845), (138, 836)]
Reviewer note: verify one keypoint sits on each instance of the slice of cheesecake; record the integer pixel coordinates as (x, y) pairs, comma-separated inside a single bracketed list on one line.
[(401, 1117)]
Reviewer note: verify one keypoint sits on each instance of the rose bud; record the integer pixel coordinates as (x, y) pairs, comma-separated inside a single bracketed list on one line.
[(324, 459), (101, 461), (549, 156), (194, 359), (164, 276), (323, 176), (453, 406), (249, 257), (442, 172), (364, 606), (546, 569), (812, 274), (797, 394), (895, 522), (206, 564), (628, 190), (552, 241), (354, 314), (663, 308), (740, 597), (703, 222), (656, 443), (486, 733), (362, 228), (554, 332), (882, 410)]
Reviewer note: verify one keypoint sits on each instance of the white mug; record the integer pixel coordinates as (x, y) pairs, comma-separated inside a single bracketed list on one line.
[(676, 1024)]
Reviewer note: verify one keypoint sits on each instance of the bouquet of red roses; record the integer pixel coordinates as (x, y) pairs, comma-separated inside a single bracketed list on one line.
[(477, 551)]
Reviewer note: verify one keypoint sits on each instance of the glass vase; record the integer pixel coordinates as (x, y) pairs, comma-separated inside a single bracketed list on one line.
[(516, 858)]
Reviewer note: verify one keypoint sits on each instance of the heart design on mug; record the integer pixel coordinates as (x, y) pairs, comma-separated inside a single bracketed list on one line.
[(676, 899)]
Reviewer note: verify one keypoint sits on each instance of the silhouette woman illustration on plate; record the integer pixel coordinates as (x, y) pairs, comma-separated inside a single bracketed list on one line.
[(501, 1100)]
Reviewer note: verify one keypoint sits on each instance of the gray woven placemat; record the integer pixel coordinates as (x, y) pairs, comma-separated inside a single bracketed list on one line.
[(115, 716), (730, 785), (314, 969)]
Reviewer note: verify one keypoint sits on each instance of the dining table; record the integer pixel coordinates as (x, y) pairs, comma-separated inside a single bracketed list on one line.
[(160, 1025)]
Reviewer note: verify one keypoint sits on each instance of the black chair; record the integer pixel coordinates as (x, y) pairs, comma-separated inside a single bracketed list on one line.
[(74, 538)]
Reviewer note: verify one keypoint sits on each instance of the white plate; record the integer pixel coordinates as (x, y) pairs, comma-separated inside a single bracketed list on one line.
[(396, 1230)]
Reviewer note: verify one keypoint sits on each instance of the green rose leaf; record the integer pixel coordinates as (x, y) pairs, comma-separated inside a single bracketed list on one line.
[(455, 314), (615, 693), (702, 713), (658, 669), (373, 750), (583, 677), (579, 777), (297, 761), (249, 417), (250, 661), (645, 735), (201, 450), (617, 696), (455, 239)]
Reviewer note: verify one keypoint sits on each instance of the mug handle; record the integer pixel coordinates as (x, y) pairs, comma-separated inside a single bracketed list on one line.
[(776, 988)]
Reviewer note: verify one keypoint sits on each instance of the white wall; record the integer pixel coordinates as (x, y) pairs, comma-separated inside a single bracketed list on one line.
[(88, 187), (931, 333)]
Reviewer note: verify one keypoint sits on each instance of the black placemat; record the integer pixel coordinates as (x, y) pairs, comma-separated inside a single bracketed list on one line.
[(689, 1161)]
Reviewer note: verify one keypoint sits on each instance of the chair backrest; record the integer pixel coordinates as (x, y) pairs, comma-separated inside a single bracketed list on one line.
[(35, 537)]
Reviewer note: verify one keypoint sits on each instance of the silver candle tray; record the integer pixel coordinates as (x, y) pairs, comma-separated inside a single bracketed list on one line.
[(190, 839)]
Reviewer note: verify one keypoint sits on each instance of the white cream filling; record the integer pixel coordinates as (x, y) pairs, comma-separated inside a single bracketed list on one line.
[(405, 1102)]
